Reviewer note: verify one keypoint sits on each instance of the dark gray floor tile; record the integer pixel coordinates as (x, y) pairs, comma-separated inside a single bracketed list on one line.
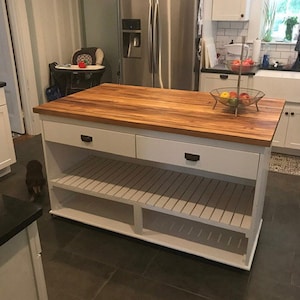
[(296, 270), (56, 233), (74, 276), (267, 289), (272, 263), (200, 276), (280, 236), (113, 249), (128, 286)]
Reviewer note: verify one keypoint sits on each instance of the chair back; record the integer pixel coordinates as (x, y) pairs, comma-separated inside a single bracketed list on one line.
[(90, 55)]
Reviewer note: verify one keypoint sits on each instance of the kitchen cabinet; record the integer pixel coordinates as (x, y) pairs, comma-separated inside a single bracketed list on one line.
[(231, 10), (7, 151), (210, 81), (21, 268), (150, 164), (284, 85), (288, 131)]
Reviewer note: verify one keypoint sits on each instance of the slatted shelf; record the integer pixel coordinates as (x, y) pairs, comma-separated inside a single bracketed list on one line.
[(211, 201), (193, 237)]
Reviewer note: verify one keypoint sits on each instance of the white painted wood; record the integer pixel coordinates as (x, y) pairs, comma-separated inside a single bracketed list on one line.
[(210, 81), (231, 10), (103, 140), (25, 63), (206, 241), (131, 184), (36, 256), (205, 216), (292, 137), (8, 73), (7, 151), (21, 270), (212, 159)]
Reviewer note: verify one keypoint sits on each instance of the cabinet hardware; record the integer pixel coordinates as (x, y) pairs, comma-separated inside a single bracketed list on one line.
[(292, 113), (191, 157), (242, 15), (286, 113), (86, 138), (223, 76)]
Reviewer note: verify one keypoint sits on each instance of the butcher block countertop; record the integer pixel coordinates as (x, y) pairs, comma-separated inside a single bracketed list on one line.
[(174, 111)]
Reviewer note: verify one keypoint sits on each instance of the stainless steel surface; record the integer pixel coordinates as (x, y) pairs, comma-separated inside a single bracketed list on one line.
[(167, 45)]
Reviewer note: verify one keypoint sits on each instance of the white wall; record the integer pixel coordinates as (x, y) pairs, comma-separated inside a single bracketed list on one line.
[(101, 30), (227, 31), (55, 28)]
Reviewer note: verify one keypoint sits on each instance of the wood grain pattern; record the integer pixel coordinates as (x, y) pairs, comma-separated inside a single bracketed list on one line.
[(174, 111)]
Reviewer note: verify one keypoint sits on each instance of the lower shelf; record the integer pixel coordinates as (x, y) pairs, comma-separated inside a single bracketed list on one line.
[(192, 237), (211, 201)]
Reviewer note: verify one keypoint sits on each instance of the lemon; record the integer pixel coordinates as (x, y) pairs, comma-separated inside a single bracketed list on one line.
[(225, 95)]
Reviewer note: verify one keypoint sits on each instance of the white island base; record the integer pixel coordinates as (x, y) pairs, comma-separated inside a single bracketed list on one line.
[(158, 195)]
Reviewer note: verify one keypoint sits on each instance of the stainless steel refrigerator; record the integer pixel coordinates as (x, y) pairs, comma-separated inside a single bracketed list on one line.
[(159, 42)]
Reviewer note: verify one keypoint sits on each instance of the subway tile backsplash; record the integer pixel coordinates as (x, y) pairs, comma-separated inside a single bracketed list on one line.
[(228, 31)]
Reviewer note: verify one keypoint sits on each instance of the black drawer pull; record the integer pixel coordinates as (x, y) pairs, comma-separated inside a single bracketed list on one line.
[(223, 76), (86, 138), (191, 157)]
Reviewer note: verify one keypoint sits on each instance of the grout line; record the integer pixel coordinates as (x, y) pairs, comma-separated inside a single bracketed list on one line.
[(104, 284)]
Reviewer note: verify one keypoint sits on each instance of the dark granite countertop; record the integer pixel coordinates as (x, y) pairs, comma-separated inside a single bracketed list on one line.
[(2, 84), (222, 69), (16, 215)]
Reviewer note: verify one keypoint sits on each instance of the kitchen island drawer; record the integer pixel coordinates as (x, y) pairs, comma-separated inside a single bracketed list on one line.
[(206, 158), (115, 142)]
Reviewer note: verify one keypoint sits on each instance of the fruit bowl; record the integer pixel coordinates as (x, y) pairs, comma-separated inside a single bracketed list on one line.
[(246, 65), (229, 96)]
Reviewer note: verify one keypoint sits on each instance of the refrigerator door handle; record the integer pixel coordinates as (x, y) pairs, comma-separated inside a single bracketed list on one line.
[(155, 38), (150, 36)]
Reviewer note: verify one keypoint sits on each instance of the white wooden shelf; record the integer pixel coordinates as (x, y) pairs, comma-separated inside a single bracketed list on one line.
[(178, 233), (210, 201)]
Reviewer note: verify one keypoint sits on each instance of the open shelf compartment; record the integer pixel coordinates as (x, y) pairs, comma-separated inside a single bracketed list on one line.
[(211, 201)]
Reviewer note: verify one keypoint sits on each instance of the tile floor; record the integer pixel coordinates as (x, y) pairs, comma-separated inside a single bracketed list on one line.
[(84, 263)]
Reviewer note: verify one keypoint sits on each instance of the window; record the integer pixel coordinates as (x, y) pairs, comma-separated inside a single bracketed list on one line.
[(286, 11)]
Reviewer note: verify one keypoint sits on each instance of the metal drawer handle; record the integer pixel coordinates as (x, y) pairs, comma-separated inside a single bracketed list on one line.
[(86, 138), (191, 157), (223, 76)]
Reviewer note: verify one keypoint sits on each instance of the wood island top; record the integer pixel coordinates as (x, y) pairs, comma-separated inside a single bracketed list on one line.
[(174, 111)]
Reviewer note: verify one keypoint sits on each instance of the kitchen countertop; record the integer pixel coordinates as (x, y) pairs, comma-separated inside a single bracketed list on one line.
[(222, 69), (174, 111), (15, 215), (278, 74)]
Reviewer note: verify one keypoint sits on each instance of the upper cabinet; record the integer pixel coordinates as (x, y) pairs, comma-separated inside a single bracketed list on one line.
[(231, 10)]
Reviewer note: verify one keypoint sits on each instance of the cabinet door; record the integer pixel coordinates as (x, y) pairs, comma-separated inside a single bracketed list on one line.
[(230, 10), (281, 131), (293, 128), (210, 81), (7, 152)]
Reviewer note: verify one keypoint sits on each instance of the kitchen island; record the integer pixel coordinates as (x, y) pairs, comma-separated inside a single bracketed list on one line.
[(162, 166)]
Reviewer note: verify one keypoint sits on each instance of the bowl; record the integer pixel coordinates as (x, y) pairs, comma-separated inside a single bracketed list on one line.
[(247, 65), (229, 96)]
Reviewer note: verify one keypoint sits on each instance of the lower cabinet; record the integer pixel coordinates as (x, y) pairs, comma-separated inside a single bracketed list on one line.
[(283, 85), (21, 268), (288, 131), (210, 81), (196, 195)]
